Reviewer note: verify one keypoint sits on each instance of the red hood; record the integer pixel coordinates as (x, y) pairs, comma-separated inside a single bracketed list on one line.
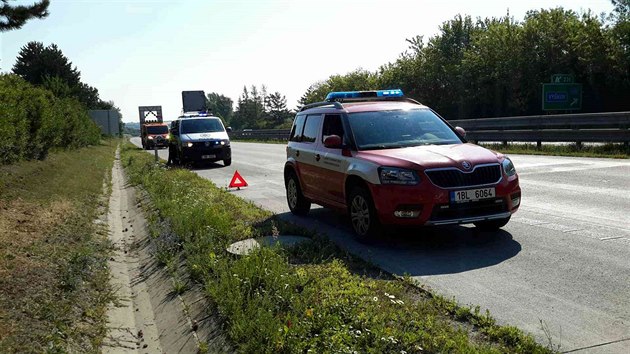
[(431, 156)]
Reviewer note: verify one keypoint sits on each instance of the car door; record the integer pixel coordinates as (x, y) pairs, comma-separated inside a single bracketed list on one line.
[(304, 151), (332, 164)]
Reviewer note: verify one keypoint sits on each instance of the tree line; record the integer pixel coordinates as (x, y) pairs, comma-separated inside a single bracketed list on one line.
[(255, 109), (496, 66)]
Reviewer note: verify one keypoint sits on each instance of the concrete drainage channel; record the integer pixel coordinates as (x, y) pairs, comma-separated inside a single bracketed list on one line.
[(148, 316)]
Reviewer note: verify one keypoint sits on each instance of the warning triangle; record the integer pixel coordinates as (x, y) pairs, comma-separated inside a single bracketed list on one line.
[(237, 181)]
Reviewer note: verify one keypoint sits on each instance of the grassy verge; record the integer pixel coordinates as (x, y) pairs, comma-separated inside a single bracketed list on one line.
[(617, 151), (53, 271), (311, 298)]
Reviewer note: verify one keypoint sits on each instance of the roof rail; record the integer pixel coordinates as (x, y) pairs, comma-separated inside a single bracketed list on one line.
[(320, 104)]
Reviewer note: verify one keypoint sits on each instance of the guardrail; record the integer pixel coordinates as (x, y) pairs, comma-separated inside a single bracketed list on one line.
[(577, 128), (261, 134), (587, 127)]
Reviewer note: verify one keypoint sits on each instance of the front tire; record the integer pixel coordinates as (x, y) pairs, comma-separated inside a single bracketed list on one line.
[(227, 162), (363, 214), (492, 225), (298, 204)]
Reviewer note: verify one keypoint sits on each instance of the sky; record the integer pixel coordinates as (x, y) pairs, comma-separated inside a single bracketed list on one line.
[(146, 52)]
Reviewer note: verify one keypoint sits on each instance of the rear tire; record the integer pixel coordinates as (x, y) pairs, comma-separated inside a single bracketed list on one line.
[(363, 216), (298, 204), (492, 225), (227, 162)]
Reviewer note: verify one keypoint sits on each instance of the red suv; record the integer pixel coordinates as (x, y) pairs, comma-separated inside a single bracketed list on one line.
[(388, 160)]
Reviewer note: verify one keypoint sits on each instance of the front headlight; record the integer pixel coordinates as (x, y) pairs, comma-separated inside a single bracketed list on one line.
[(508, 167), (394, 175), (150, 137), (188, 144), (225, 142)]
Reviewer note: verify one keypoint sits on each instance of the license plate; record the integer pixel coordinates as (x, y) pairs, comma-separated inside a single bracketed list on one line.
[(472, 194), (205, 157)]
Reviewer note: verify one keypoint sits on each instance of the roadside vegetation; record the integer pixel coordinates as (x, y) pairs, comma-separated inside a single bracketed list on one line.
[(310, 298), (44, 102), (34, 121), (616, 151), (53, 252)]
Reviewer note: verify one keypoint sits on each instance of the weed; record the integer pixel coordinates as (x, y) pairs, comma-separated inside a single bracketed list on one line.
[(179, 285)]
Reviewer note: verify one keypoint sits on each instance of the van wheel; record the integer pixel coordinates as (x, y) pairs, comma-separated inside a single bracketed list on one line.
[(298, 204), (227, 162), (363, 214), (492, 225)]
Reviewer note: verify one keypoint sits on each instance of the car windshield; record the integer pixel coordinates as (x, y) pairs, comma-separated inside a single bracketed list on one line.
[(400, 128), (160, 129), (191, 126)]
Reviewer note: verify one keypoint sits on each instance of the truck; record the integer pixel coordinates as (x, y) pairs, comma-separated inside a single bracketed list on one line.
[(153, 132)]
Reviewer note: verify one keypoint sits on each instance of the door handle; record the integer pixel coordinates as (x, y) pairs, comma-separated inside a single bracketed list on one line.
[(317, 157)]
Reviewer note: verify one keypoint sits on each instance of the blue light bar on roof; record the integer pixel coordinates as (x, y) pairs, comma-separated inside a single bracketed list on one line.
[(362, 94)]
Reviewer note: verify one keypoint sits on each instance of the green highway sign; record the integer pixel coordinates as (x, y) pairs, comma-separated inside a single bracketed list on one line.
[(562, 97), (562, 79)]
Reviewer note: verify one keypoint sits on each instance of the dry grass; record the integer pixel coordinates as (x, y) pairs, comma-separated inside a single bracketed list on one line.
[(53, 279)]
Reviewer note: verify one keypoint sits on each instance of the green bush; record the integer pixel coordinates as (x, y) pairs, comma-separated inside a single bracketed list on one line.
[(33, 120)]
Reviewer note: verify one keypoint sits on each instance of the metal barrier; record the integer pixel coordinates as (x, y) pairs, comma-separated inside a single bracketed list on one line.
[(577, 128), (261, 134), (589, 127)]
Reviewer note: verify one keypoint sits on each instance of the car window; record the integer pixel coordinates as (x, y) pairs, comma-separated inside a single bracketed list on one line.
[(400, 128), (311, 128), (191, 126), (298, 127), (332, 126)]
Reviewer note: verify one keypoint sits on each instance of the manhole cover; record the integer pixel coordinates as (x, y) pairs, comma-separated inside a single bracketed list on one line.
[(245, 247)]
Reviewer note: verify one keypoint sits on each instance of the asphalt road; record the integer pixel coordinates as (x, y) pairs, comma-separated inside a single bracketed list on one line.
[(559, 270)]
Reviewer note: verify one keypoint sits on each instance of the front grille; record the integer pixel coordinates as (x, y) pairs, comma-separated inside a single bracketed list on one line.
[(207, 144), (454, 178), (470, 209)]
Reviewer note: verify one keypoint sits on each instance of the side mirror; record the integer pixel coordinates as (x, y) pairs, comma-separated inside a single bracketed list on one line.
[(228, 129), (460, 131), (332, 142)]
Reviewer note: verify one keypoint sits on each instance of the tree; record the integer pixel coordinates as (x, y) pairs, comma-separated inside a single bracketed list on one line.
[(220, 106), (356, 80), (48, 67), (35, 62), (621, 7), (276, 106), (14, 17)]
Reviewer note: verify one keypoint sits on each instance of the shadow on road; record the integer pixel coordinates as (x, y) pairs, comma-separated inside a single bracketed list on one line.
[(417, 251), (201, 166)]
